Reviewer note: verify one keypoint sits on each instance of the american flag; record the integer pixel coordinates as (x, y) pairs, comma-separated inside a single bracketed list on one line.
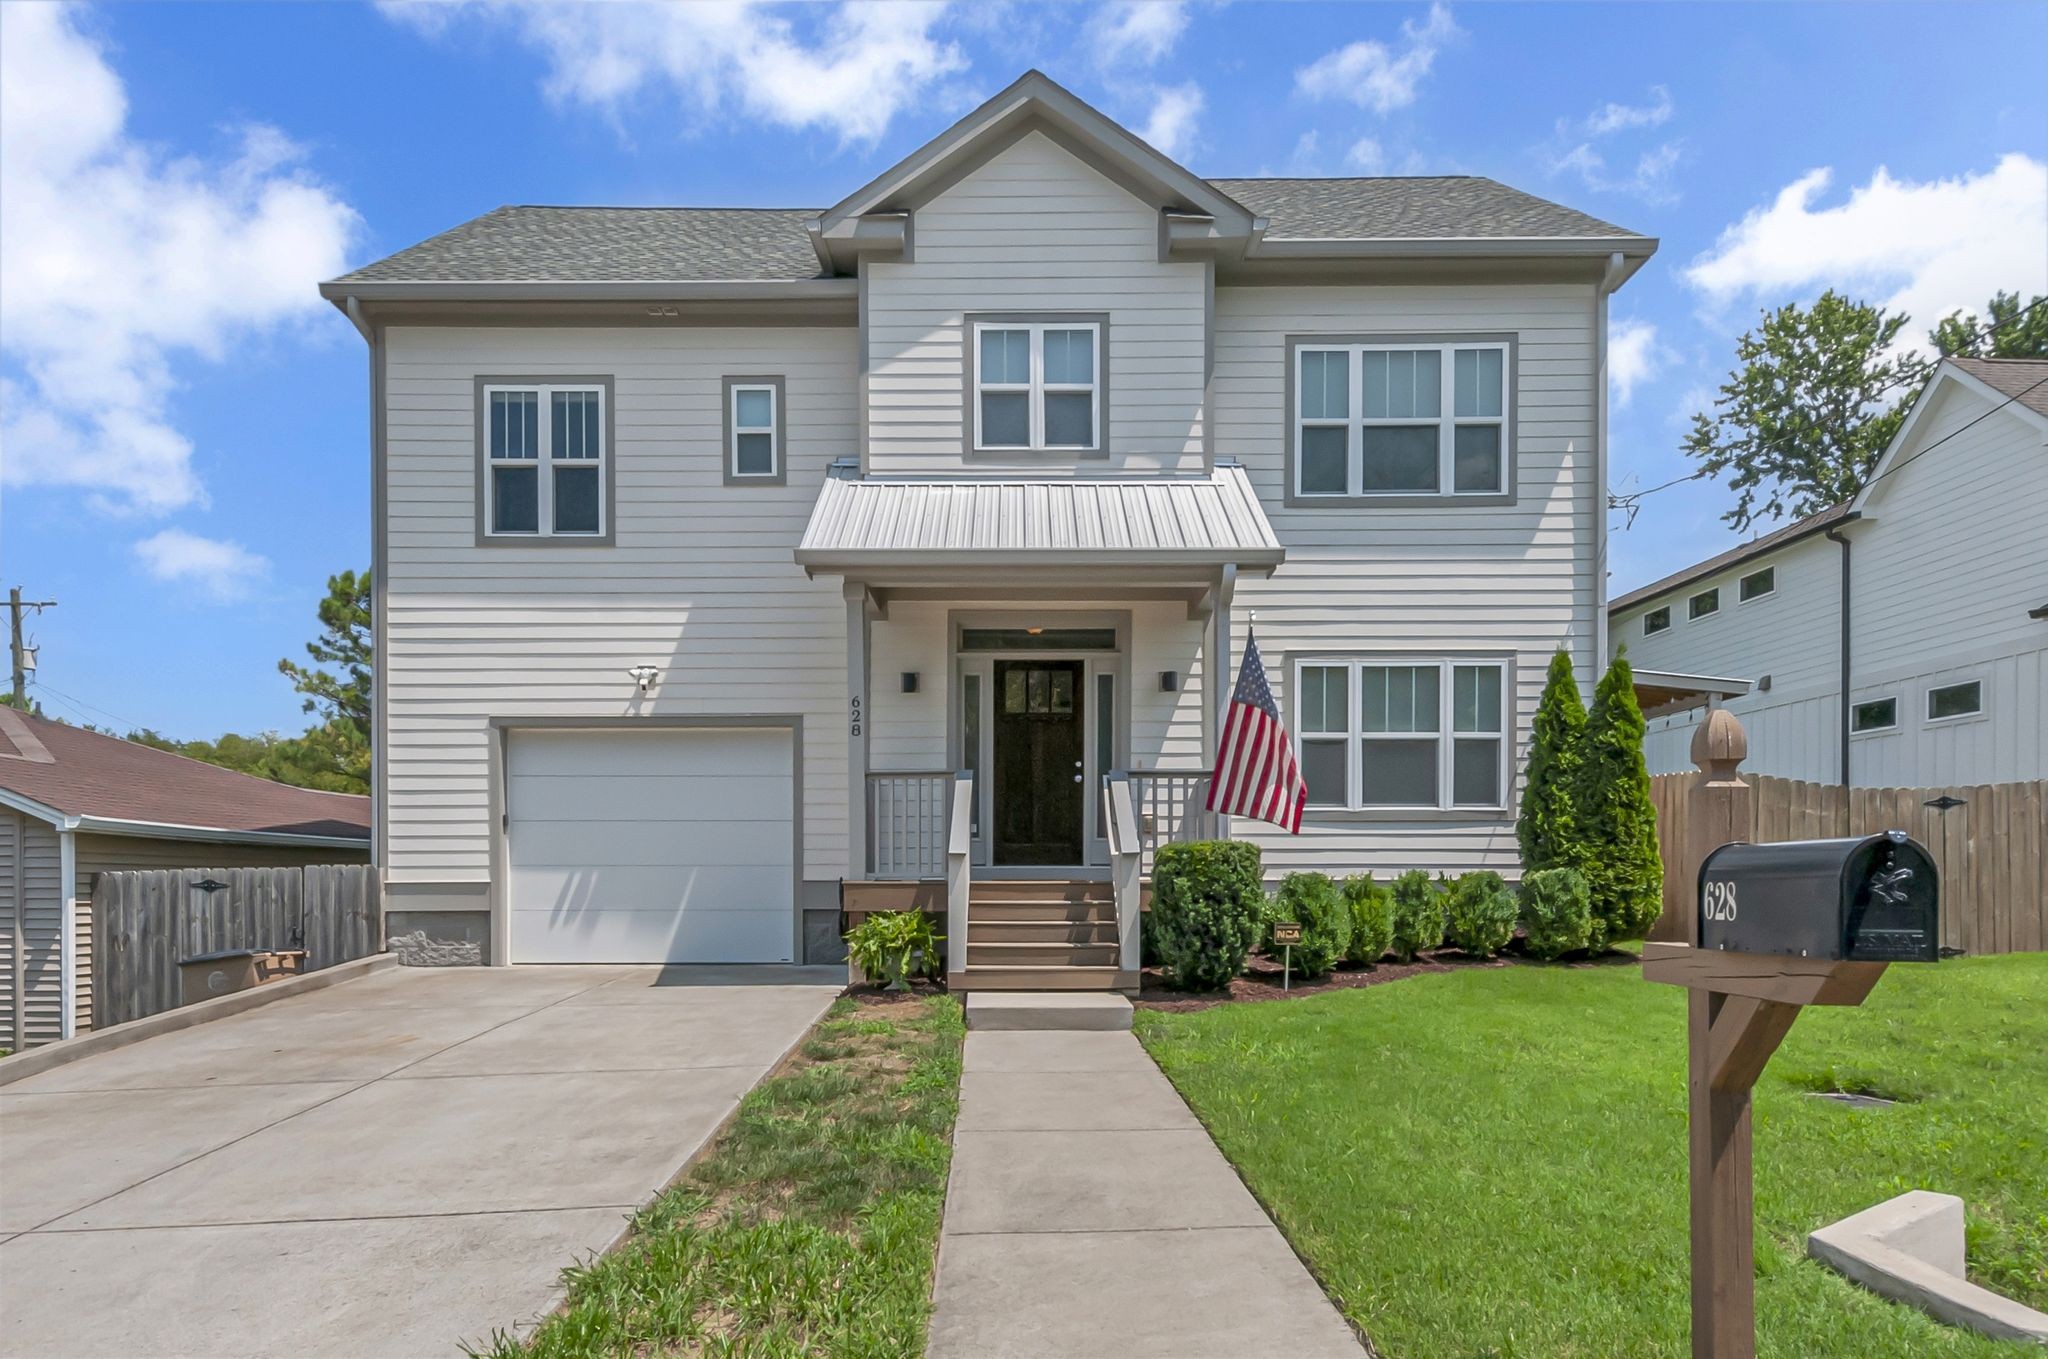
[(1256, 775)]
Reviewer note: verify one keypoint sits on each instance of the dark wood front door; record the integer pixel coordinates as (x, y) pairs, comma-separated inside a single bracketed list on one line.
[(1038, 762)]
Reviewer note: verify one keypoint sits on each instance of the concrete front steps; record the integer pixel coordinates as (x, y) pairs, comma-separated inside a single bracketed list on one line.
[(1041, 935), (1047, 1011)]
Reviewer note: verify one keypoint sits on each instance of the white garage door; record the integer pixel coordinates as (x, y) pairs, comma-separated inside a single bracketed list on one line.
[(659, 845)]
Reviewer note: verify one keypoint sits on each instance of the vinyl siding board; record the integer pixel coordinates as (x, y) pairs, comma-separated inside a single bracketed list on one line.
[(31, 881)]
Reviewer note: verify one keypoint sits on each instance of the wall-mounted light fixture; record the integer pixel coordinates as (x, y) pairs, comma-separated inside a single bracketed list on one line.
[(644, 676), (910, 681), (1169, 681)]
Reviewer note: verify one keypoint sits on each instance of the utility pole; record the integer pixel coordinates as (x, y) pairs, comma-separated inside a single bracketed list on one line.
[(17, 652)]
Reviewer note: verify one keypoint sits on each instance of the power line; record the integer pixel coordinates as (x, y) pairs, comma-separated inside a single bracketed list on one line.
[(77, 704)]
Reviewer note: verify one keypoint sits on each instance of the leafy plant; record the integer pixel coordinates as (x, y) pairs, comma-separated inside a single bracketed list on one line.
[(1418, 915), (1207, 910), (1480, 914), (1557, 912), (892, 946), (1547, 829), (1617, 823), (1372, 918), (1312, 901)]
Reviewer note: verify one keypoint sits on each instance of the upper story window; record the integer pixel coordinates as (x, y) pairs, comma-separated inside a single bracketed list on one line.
[(1037, 385), (545, 450), (1955, 700), (1657, 620), (1705, 604), (1876, 714), (1758, 585), (754, 438), (1400, 420), (1414, 734)]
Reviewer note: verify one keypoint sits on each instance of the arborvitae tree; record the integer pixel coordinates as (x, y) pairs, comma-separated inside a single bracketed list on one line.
[(1546, 829), (1616, 821)]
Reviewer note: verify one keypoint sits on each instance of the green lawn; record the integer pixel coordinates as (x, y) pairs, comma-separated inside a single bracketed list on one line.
[(809, 1227), (1492, 1162)]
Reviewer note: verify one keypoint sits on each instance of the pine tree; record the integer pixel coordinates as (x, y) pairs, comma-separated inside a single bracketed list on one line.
[(1547, 828), (1616, 822)]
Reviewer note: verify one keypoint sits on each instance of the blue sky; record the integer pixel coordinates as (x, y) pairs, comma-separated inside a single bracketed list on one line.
[(182, 421)]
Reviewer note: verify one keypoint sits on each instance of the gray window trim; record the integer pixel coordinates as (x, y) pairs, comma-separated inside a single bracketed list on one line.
[(972, 383), (1510, 422), (482, 463), (780, 476)]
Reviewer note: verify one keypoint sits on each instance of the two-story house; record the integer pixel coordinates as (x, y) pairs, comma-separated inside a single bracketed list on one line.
[(735, 564)]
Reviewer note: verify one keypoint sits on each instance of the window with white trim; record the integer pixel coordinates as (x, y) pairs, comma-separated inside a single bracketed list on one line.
[(1037, 386), (1657, 620), (754, 419), (1402, 734), (1948, 701), (1757, 585), (544, 451), (1874, 714), (1400, 419), (1705, 604)]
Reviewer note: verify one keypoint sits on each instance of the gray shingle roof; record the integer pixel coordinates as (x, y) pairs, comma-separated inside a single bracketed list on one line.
[(607, 245), (1425, 207)]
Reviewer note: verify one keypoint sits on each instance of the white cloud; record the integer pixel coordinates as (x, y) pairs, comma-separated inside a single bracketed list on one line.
[(1367, 156), (1923, 248), (865, 63), (1611, 118), (1649, 180), (1135, 32), (220, 570), (1633, 356), (1171, 127), (120, 259), (1375, 75)]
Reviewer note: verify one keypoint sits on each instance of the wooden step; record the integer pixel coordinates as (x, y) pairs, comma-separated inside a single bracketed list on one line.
[(1042, 979), (1036, 889), (1062, 931), (1069, 912), (1040, 955)]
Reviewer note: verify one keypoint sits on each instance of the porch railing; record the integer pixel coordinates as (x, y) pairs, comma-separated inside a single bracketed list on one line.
[(909, 822), (1126, 871), (959, 870), (1168, 808)]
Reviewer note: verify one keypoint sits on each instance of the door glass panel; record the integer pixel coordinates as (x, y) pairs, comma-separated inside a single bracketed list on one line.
[(1013, 692), (1040, 691), (970, 740), (1062, 691), (1105, 725)]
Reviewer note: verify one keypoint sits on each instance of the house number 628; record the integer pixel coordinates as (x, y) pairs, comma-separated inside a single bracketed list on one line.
[(1720, 900), (853, 716)]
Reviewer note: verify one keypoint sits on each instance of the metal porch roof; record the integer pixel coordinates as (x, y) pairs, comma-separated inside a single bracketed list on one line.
[(997, 521)]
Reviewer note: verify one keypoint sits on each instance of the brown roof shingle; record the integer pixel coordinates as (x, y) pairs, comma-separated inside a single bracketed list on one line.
[(83, 773), (2024, 380), (1792, 532)]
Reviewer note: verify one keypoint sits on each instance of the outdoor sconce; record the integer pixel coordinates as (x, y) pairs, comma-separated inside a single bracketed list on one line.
[(644, 676), (1169, 681), (910, 681)]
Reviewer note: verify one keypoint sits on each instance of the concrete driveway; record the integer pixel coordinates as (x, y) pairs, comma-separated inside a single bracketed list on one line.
[(390, 1167)]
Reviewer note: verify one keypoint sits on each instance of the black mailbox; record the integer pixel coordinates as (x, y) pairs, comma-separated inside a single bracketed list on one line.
[(1876, 900)]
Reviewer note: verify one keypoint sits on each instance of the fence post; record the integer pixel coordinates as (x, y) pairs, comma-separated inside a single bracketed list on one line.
[(1718, 810)]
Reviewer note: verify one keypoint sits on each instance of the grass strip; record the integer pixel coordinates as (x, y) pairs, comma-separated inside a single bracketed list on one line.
[(810, 1225)]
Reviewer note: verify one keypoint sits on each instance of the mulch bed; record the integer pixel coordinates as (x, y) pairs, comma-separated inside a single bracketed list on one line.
[(1262, 977)]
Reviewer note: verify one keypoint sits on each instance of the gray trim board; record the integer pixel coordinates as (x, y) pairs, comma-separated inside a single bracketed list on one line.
[(780, 476), (1510, 428), (469, 894), (610, 516), (971, 380), (380, 605)]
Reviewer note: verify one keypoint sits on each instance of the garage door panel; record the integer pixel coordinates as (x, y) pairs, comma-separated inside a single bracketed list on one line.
[(654, 843), (634, 797), (657, 750), (652, 936), (645, 887)]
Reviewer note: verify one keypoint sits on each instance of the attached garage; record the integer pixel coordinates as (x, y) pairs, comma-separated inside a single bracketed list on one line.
[(651, 845)]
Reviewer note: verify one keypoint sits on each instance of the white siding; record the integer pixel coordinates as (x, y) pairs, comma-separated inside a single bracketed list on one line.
[(41, 909), (1513, 580), (1034, 229), (701, 582)]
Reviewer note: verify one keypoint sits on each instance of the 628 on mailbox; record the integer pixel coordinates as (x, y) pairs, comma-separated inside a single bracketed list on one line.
[(1874, 899)]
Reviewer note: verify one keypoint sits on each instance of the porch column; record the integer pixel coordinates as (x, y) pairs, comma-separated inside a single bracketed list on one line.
[(860, 615), (1220, 675)]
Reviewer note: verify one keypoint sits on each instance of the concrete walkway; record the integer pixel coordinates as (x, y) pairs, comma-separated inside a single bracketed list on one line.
[(387, 1168), (1089, 1215)]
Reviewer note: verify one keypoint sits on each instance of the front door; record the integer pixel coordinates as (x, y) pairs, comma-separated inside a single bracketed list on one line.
[(1039, 772)]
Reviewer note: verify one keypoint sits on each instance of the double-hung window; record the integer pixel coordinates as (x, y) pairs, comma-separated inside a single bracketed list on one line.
[(1400, 419), (754, 425), (544, 452), (1037, 385), (1402, 734)]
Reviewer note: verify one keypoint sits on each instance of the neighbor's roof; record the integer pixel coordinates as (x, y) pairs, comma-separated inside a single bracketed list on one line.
[(2025, 380), (536, 244), (104, 779), (1214, 519), (1791, 533)]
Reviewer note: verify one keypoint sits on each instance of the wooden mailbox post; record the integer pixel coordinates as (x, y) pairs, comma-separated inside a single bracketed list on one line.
[(1769, 934)]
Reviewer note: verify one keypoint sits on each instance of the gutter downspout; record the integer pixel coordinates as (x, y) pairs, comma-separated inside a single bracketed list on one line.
[(1835, 535), (1609, 281)]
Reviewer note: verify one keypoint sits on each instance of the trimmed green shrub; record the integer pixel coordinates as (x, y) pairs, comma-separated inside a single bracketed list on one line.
[(1372, 918), (891, 946), (1480, 914), (1617, 823), (1557, 912), (1418, 915), (1313, 901), (1207, 910), (1547, 829)]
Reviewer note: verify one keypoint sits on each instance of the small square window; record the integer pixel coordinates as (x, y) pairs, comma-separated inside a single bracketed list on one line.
[(1656, 621), (1757, 584), (1705, 604), (1877, 714), (754, 424), (1955, 700)]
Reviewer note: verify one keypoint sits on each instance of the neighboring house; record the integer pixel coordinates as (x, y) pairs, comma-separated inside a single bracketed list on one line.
[(75, 803), (1940, 569), (710, 542)]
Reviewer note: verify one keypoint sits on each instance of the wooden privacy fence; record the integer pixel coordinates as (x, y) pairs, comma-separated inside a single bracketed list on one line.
[(1990, 841), (145, 923)]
